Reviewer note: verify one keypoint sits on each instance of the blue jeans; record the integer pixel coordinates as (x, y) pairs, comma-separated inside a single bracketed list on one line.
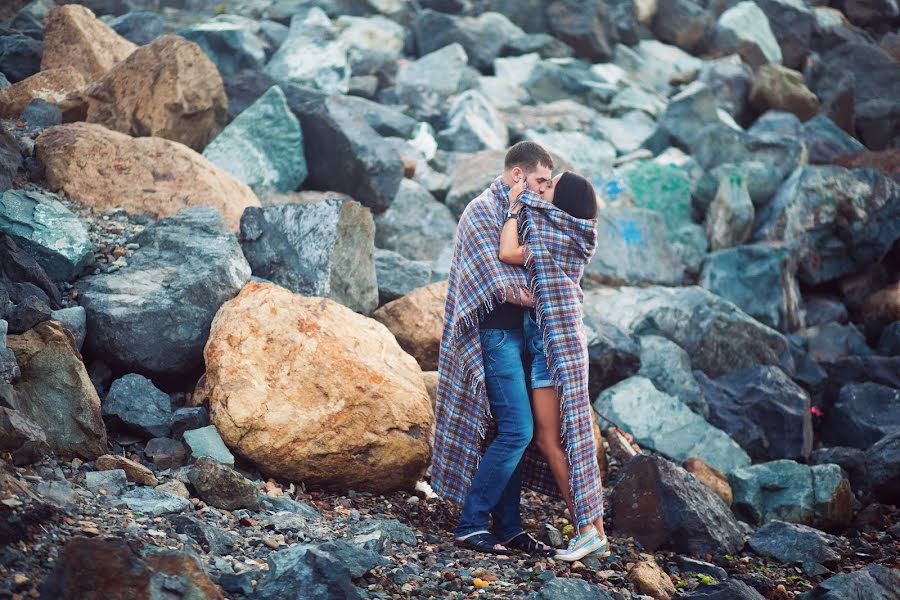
[(497, 486)]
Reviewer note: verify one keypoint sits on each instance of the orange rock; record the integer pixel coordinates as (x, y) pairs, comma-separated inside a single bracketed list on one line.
[(309, 391), (711, 477), (75, 37), (53, 86), (417, 320), (430, 378), (168, 88), (153, 176), (134, 471), (649, 579)]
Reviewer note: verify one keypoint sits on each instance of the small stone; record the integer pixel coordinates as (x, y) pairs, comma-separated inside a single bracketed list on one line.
[(174, 487), (166, 453), (135, 472), (111, 482), (207, 442)]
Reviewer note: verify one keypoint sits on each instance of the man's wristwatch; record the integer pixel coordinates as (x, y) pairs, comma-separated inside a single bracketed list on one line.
[(511, 215)]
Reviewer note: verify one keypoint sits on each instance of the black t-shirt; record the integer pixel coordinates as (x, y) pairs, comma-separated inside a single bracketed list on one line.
[(503, 316)]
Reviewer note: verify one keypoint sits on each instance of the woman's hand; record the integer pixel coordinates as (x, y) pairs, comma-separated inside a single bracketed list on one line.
[(516, 207)]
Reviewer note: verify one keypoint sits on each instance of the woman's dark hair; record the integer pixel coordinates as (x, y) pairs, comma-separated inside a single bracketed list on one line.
[(575, 195)]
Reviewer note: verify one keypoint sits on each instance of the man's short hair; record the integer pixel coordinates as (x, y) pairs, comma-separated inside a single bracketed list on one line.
[(527, 156)]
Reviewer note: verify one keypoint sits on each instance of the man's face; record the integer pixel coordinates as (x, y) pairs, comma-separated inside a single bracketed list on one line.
[(538, 180)]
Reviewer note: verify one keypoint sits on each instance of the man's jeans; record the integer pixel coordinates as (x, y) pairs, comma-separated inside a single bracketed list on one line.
[(497, 487)]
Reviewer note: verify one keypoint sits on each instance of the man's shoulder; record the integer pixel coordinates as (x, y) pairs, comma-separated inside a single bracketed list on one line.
[(478, 203)]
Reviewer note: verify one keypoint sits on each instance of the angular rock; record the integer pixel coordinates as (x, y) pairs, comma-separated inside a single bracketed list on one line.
[(146, 175), (374, 44), (587, 154), (108, 482), (686, 115), (56, 391), (139, 27), (397, 276), (417, 87), (187, 418), (24, 439), (262, 146), (763, 411), (826, 142), (668, 367), (21, 277), (883, 468), (779, 88), (166, 453), (649, 579), (662, 506), (889, 342), (74, 319), (690, 565), (136, 404), (780, 153), (231, 46), (585, 26), (20, 56), (186, 267), (711, 477), (417, 321), (729, 590), (392, 529), (343, 366), (471, 176), (29, 312), (685, 23), (832, 341), (53, 86), (415, 225), (744, 29), (882, 370), (730, 80), (873, 582), (214, 540), (788, 491), (323, 249), (729, 221), (206, 441), (221, 486), (613, 354), (482, 36), (828, 245), (792, 543), (168, 89), (153, 503), (135, 472), (311, 571), (473, 124), (760, 280), (75, 37), (565, 588), (851, 460), (310, 58), (716, 334)]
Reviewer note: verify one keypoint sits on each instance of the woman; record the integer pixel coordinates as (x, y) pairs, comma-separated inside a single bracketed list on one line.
[(559, 233)]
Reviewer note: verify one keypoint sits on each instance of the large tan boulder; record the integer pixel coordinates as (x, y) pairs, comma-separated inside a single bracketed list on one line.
[(309, 391), (75, 37), (55, 391), (168, 88), (53, 86), (417, 320), (153, 176), (779, 88)]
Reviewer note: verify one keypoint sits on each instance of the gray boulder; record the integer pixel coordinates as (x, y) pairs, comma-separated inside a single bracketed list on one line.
[(832, 341), (729, 221), (20, 436), (154, 503), (46, 230), (473, 124), (762, 410), (470, 176), (140, 27), (792, 25), (728, 590), (730, 80), (416, 225), (789, 491), (872, 582), (760, 280), (483, 36), (826, 141), (214, 540), (231, 46), (889, 341), (74, 319), (668, 367), (262, 146), (851, 460), (133, 402), (588, 155), (685, 23), (310, 56), (206, 441), (613, 354), (428, 96), (687, 114), (585, 26), (320, 249), (397, 275), (744, 28), (373, 43), (108, 483), (792, 543), (719, 144), (221, 486), (153, 317), (565, 588), (667, 425), (883, 468)]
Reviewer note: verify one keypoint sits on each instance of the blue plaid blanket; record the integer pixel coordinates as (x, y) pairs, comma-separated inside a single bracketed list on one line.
[(558, 248)]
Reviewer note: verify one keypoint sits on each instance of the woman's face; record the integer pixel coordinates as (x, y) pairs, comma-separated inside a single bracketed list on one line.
[(548, 193)]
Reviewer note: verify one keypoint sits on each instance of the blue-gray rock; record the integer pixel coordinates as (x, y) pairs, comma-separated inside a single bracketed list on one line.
[(40, 114), (135, 403), (775, 124), (140, 27), (760, 280), (663, 506), (397, 275), (889, 342), (393, 530), (692, 565), (832, 341), (789, 491), (728, 590), (719, 144), (374, 44), (826, 141), (154, 503), (385, 120), (729, 221), (284, 520), (730, 80), (428, 96), (715, 333), (858, 227), (587, 154), (20, 56), (187, 266), (884, 370), (221, 486), (244, 88), (28, 313), (667, 425), (823, 309), (165, 453), (48, 231), (212, 539), (230, 46), (310, 57), (872, 582), (415, 225), (851, 460), (585, 26), (633, 248), (792, 25), (74, 319), (542, 44), (863, 414), (668, 367), (473, 124), (792, 543), (744, 29), (684, 23), (763, 411), (883, 468), (564, 588), (9, 368), (262, 146), (688, 113), (320, 249), (613, 354), (482, 37), (113, 482), (206, 441), (20, 436), (187, 418)]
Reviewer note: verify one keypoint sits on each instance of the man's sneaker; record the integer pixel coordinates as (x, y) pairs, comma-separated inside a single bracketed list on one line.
[(582, 545)]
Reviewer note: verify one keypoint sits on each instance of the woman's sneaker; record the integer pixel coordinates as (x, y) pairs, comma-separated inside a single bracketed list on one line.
[(582, 545), (602, 552)]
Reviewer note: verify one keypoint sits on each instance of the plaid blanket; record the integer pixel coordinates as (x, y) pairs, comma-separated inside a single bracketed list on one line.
[(559, 246)]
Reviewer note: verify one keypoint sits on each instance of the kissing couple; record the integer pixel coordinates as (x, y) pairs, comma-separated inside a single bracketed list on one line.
[(513, 325)]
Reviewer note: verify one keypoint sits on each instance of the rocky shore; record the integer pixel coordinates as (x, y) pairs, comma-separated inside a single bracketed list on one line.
[(225, 233)]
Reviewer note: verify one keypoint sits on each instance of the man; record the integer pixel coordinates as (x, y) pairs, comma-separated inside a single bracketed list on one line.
[(481, 376)]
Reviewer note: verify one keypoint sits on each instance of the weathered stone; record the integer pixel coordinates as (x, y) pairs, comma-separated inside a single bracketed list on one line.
[(166, 453), (826, 142), (663, 506), (20, 55), (108, 482), (206, 441), (135, 472), (744, 29), (417, 321), (231, 46), (482, 36), (873, 582), (186, 267), (730, 80), (75, 37), (851, 460), (585, 26), (711, 477), (139, 26), (56, 391), (153, 503), (187, 418), (729, 221), (586, 153), (655, 64), (792, 492), (883, 468), (729, 590), (889, 342), (343, 366), (24, 439), (763, 411), (136, 404), (25, 315), (779, 88), (167, 89), (691, 565), (668, 367), (649, 579), (148, 175), (565, 588), (885, 161), (221, 486), (214, 540), (760, 280), (311, 58), (473, 124), (374, 44), (685, 23), (74, 319), (415, 225), (792, 543), (21, 276), (53, 86), (882, 370), (323, 249), (417, 87), (471, 176), (686, 115), (262, 146), (397, 276), (829, 342)]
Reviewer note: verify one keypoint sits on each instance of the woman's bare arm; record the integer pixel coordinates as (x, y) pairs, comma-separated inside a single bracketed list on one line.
[(511, 252)]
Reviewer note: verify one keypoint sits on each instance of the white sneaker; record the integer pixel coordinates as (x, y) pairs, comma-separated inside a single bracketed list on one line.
[(582, 545)]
